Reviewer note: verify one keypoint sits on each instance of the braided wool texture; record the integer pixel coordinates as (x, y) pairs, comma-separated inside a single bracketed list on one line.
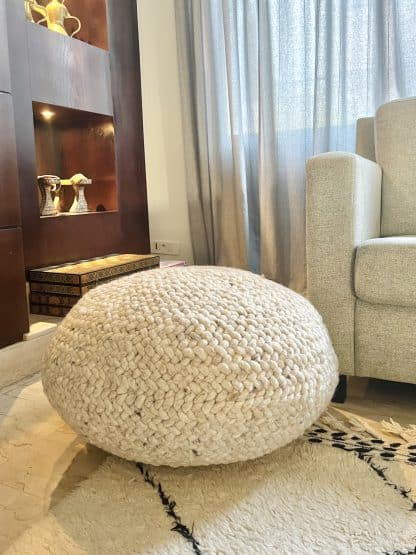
[(191, 366)]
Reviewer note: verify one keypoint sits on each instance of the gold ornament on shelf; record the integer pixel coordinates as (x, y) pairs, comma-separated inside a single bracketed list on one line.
[(55, 13), (48, 184)]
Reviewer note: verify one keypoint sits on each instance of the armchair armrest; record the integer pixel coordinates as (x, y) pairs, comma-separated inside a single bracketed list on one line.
[(343, 207)]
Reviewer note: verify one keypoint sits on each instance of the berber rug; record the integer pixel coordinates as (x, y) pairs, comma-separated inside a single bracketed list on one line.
[(348, 486)]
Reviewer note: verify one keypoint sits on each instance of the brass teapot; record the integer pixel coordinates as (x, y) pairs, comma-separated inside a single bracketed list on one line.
[(55, 13)]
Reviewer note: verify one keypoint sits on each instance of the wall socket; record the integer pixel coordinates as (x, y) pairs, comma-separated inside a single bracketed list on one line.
[(165, 247)]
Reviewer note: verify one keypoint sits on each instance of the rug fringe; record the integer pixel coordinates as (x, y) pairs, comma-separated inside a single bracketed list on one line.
[(408, 433), (347, 423), (340, 420)]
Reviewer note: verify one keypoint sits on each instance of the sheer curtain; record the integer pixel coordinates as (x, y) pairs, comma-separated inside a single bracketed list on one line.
[(265, 85)]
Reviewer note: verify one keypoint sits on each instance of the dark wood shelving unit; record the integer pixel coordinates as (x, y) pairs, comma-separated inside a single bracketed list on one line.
[(92, 84)]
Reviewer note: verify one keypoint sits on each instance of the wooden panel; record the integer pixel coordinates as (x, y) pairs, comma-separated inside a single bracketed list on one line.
[(128, 119), (13, 310), (68, 72), (9, 185), (25, 141), (90, 150), (4, 50)]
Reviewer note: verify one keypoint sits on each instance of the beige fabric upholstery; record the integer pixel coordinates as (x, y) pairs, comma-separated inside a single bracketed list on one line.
[(385, 271), (385, 342), (364, 144), (343, 209), (363, 285), (395, 139)]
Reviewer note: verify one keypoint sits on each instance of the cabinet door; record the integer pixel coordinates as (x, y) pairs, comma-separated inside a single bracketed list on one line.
[(4, 50), (13, 307), (9, 184)]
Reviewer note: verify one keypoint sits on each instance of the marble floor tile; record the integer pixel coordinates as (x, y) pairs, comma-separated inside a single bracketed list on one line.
[(37, 450)]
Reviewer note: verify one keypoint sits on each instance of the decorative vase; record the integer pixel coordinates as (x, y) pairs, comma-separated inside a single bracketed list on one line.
[(80, 205), (55, 13), (47, 185)]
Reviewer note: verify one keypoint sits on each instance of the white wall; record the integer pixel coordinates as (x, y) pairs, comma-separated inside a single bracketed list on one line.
[(165, 164)]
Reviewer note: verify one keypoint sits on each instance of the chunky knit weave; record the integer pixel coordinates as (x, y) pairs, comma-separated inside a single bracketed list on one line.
[(191, 366)]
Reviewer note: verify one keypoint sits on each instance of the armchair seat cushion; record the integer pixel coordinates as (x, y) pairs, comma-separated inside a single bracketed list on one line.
[(385, 271)]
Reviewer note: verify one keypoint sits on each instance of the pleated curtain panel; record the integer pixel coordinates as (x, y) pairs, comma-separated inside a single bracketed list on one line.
[(265, 85)]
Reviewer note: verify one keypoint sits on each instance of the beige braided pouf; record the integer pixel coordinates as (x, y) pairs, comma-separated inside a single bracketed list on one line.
[(191, 366)]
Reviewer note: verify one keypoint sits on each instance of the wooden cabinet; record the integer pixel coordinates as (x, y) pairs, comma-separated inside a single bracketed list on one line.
[(13, 309)]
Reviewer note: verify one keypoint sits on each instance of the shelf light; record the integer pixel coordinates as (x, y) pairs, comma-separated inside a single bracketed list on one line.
[(108, 129), (47, 114)]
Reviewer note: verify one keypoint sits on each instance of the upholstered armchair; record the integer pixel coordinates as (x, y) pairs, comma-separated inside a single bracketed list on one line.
[(361, 245)]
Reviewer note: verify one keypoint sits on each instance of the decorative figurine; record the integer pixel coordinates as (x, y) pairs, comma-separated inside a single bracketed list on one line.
[(47, 185), (54, 13), (78, 182)]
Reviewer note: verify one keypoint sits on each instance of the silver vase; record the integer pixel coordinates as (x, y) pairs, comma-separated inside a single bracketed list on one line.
[(80, 205), (47, 185)]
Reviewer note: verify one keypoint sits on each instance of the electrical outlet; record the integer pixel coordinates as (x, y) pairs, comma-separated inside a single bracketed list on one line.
[(165, 247)]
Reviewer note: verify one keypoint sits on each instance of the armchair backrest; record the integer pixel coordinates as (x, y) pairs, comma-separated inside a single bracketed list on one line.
[(364, 144), (390, 139)]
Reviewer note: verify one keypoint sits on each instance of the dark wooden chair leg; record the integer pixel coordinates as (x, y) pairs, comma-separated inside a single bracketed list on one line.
[(341, 391)]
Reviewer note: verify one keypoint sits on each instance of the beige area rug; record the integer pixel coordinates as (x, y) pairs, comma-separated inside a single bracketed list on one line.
[(348, 486)]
